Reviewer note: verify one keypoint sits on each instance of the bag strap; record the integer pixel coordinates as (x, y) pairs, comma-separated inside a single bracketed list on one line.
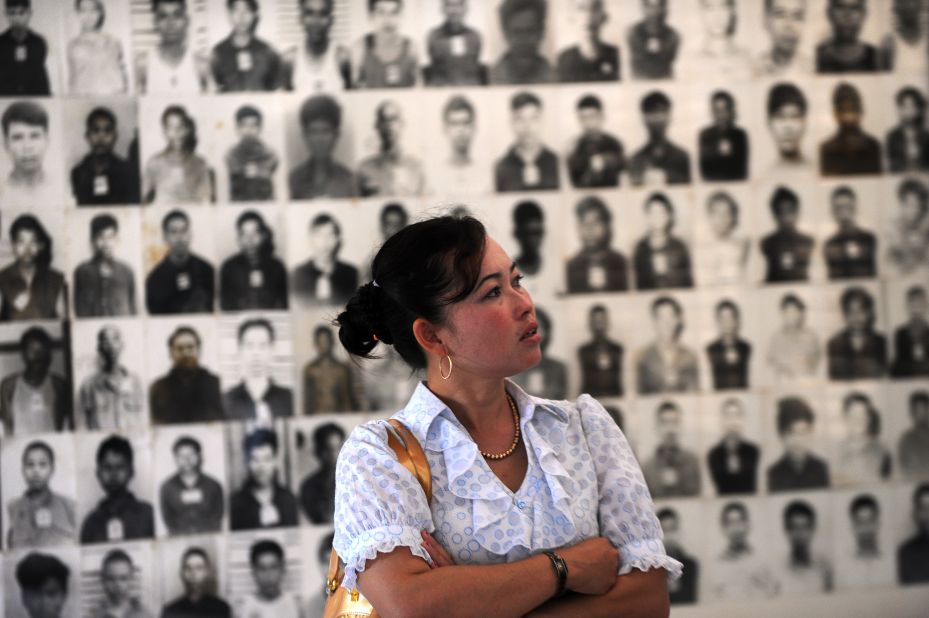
[(411, 455)]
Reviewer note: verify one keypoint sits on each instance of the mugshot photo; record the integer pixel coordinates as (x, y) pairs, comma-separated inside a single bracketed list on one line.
[(33, 53), (98, 58), (118, 577), (33, 283), (38, 582), (31, 171), (192, 577), (265, 573)]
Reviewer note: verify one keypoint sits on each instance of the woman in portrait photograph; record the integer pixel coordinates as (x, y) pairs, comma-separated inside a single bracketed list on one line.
[(96, 64), (178, 174), (450, 300), (862, 457), (666, 365), (30, 289), (661, 259), (723, 259)]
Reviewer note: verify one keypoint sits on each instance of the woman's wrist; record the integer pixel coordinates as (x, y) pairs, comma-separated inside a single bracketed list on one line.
[(560, 569)]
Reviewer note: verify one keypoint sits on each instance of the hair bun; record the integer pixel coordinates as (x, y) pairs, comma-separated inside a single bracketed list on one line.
[(371, 298)]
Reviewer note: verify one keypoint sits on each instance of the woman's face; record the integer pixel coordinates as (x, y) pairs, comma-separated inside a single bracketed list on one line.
[(176, 131), (488, 333), (667, 323), (26, 246), (658, 217), (911, 207), (90, 14)]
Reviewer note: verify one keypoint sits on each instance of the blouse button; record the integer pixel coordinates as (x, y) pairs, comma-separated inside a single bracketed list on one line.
[(520, 504)]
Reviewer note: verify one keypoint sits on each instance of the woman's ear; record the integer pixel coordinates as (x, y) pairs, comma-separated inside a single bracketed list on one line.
[(427, 337)]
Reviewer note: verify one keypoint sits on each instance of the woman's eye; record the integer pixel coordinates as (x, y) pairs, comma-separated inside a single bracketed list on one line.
[(494, 291), (518, 281)]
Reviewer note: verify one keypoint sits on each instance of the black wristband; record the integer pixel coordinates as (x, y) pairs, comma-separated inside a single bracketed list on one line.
[(561, 571)]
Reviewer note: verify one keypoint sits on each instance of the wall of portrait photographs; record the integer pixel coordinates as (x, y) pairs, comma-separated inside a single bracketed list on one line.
[(721, 208)]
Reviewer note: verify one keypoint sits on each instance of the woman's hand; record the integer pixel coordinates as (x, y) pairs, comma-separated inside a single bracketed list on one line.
[(435, 550), (592, 566)]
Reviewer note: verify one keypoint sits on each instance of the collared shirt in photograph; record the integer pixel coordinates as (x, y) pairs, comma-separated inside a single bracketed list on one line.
[(104, 288), (328, 386), (653, 53), (659, 372), (256, 66), (672, 472), (207, 606), (276, 402), (245, 285), (913, 560), (41, 519), (179, 180), (574, 66), (729, 361), (734, 467), (852, 357), (829, 59), (27, 409), (185, 396), (338, 181), (251, 166), (377, 73), (799, 580), (601, 368), (850, 152), (548, 379), (596, 161), (658, 164), (742, 575), (511, 69), (247, 513), (312, 285), (684, 590), (22, 64), (911, 348), (722, 261), (785, 475), (39, 299), (724, 153), (105, 180), (794, 353), (908, 149), (111, 401), (317, 496), (597, 271), (390, 173), (913, 451), (601, 475), (188, 287), (192, 509), (119, 518), (667, 266), (851, 253), (455, 55), (788, 254), (513, 173), (861, 460), (856, 570)]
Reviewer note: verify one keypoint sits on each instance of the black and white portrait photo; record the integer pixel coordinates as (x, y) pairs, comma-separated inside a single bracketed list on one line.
[(907, 144), (724, 146), (592, 55), (596, 157), (788, 250), (859, 349), (795, 350), (324, 279), (242, 60), (105, 283), (652, 42), (96, 52), (661, 259), (261, 499), (524, 58), (799, 466), (191, 498), (850, 150), (319, 442), (265, 579), (252, 156), (392, 166), (600, 358), (597, 267), (174, 171), (852, 251), (455, 50), (30, 170), (734, 460), (31, 287), (724, 246), (911, 336), (659, 161), (730, 354), (254, 277), (672, 470), (528, 164), (177, 60), (182, 280), (864, 547), (667, 364), (28, 41), (861, 455), (42, 583), (192, 580), (319, 173), (804, 559), (117, 579)]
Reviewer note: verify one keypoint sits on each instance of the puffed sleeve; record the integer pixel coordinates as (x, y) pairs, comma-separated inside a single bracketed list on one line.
[(379, 504), (626, 512)]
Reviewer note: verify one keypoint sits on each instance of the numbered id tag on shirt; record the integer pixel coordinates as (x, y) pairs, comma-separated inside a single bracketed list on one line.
[(603, 361), (787, 260), (392, 73), (660, 263), (457, 46), (243, 61), (596, 277), (101, 185), (531, 175), (114, 530), (192, 496), (269, 515), (668, 476), (183, 281), (20, 54), (732, 356), (251, 170), (852, 249), (43, 518), (653, 45), (919, 352), (21, 301), (256, 279), (597, 163), (725, 147)]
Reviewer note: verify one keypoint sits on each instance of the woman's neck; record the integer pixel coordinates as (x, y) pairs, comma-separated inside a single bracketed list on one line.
[(477, 402)]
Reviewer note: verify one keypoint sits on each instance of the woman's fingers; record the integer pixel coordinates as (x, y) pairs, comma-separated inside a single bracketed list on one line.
[(439, 556)]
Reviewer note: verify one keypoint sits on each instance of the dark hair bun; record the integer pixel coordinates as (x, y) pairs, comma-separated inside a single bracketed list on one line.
[(359, 325)]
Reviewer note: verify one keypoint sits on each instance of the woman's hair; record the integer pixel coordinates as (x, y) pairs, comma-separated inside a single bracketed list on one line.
[(418, 271), (190, 144), (24, 223), (874, 417), (266, 250)]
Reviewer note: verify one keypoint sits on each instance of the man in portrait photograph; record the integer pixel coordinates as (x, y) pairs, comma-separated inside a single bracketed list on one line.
[(459, 172), (723, 146), (794, 351), (852, 251), (867, 563), (392, 218), (523, 25), (659, 160), (111, 398), (253, 278), (262, 501), (384, 56), (188, 393), (119, 516), (192, 502), (844, 51), (392, 170), (597, 267), (318, 64), (684, 589), (666, 364), (597, 157), (787, 116), (35, 399), (26, 138), (251, 162), (102, 176), (242, 61), (787, 251), (601, 358), (740, 573), (549, 379), (328, 383), (907, 143), (729, 354), (257, 397), (723, 258), (590, 59), (118, 578), (198, 576), (324, 278), (268, 566), (528, 164), (850, 150), (40, 517), (529, 232), (104, 286), (733, 461), (784, 20), (43, 585), (320, 175), (911, 339), (317, 490), (906, 46), (798, 467), (673, 471), (454, 49), (23, 54), (858, 351), (182, 282), (807, 570), (173, 65), (913, 447), (661, 258), (913, 554), (653, 44)]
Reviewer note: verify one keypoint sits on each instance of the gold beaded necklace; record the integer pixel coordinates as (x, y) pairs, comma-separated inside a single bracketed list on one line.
[(512, 448)]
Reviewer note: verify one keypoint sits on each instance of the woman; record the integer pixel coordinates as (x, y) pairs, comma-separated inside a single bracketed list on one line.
[(384, 58), (666, 365), (724, 257), (177, 174), (30, 289), (551, 475), (661, 259), (862, 457), (95, 58)]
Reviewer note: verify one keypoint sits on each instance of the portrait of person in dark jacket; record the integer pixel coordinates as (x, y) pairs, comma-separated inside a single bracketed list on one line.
[(844, 51), (30, 289), (529, 232), (858, 351), (320, 175), (850, 150), (262, 501), (852, 251), (733, 461), (798, 467), (257, 397), (23, 54), (907, 143), (787, 251), (659, 161), (724, 147), (911, 339), (661, 259), (102, 176), (192, 501), (653, 44), (597, 157), (684, 589), (666, 364), (188, 393), (317, 491), (182, 282), (729, 354), (324, 278), (242, 61), (199, 599), (528, 164), (601, 358), (597, 267), (523, 25), (253, 278), (104, 285), (35, 399), (913, 553), (590, 59)]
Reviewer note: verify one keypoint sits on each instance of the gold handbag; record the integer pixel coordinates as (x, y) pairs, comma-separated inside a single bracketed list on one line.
[(344, 603)]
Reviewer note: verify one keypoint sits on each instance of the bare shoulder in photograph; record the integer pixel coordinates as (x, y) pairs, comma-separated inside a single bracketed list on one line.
[(26, 137), (173, 65), (317, 63), (385, 57), (328, 383), (177, 174), (723, 258), (96, 61)]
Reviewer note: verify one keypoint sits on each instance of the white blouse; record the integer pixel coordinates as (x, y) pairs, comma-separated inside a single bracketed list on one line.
[(581, 471)]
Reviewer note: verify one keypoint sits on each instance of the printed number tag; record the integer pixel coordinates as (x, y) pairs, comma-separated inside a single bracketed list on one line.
[(114, 530), (43, 518), (457, 45), (192, 496), (256, 279), (101, 185), (244, 61), (183, 281), (20, 54)]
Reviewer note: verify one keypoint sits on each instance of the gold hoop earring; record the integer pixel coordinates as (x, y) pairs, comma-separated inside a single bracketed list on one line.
[(444, 375)]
